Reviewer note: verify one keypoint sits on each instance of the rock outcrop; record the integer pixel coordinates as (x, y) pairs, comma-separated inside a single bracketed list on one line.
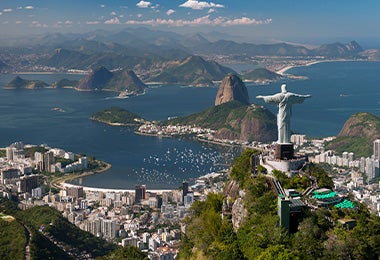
[(232, 88)]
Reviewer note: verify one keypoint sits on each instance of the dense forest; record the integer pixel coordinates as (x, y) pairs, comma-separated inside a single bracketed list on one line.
[(211, 236)]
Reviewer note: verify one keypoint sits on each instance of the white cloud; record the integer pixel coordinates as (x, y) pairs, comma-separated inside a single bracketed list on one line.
[(19, 8), (1, 13), (68, 22), (102, 6), (247, 21), (113, 21), (170, 12), (199, 5), (18, 22), (92, 22), (38, 24), (29, 7), (211, 10), (143, 4), (113, 13), (204, 20), (139, 15), (7, 10)]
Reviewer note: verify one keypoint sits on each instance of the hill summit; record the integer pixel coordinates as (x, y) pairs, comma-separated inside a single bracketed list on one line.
[(232, 89), (120, 81)]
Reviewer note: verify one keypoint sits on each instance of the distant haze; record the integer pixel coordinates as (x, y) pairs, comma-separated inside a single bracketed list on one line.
[(309, 22)]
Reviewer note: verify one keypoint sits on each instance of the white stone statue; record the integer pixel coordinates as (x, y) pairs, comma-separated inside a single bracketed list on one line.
[(284, 100)]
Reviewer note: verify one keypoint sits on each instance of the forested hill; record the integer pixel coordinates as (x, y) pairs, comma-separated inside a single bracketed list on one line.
[(259, 236)]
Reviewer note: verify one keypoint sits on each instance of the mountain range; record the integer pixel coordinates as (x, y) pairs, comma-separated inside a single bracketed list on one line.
[(143, 50)]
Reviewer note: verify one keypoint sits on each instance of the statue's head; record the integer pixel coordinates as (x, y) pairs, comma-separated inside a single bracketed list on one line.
[(283, 88)]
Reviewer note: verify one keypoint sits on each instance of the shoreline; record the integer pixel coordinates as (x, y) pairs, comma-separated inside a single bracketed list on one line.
[(60, 183), (283, 70)]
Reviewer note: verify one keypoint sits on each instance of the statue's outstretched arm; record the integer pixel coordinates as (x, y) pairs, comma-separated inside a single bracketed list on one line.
[(296, 98)]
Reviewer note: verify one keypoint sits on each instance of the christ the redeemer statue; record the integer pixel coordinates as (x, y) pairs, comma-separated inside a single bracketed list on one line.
[(284, 101)]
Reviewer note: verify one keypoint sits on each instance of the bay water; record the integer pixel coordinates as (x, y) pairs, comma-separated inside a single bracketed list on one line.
[(338, 90)]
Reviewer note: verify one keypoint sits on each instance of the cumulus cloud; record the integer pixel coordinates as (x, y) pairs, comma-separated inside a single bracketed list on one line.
[(68, 22), (7, 10), (170, 12), (199, 5), (139, 15), (92, 22), (143, 4), (113, 13), (102, 6), (19, 8), (211, 10), (29, 7), (113, 21), (204, 20)]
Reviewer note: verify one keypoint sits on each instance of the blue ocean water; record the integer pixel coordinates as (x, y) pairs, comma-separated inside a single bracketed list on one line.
[(338, 90)]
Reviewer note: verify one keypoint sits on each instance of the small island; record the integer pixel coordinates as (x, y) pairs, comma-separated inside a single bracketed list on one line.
[(117, 116)]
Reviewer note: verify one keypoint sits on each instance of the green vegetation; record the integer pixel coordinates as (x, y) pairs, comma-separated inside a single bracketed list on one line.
[(11, 246), (3, 153), (230, 118), (212, 236), (193, 70), (18, 82), (261, 75), (116, 115), (361, 146), (321, 175), (63, 83), (357, 135), (29, 152), (125, 253), (261, 237), (54, 226)]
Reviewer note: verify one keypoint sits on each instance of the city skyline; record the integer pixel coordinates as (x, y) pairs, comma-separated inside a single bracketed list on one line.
[(259, 21)]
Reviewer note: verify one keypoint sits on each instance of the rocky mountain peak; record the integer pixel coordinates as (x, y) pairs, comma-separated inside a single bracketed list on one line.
[(97, 79), (232, 88)]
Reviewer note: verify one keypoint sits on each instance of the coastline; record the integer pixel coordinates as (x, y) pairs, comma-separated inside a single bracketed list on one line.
[(60, 183), (283, 70)]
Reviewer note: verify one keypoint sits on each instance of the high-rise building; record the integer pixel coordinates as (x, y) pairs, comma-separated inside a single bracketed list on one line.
[(376, 149), (108, 228), (185, 190), (75, 192), (28, 183), (139, 193)]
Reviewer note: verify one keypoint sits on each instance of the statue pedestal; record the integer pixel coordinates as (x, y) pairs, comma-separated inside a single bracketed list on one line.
[(284, 152)]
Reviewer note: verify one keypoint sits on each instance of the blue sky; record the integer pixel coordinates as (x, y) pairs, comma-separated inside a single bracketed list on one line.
[(270, 20)]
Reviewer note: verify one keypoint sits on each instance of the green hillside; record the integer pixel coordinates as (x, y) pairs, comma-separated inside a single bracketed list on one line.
[(357, 135), (18, 82), (116, 115), (261, 75), (193, 70), (234, 120), (211, 236), (46, 225)]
